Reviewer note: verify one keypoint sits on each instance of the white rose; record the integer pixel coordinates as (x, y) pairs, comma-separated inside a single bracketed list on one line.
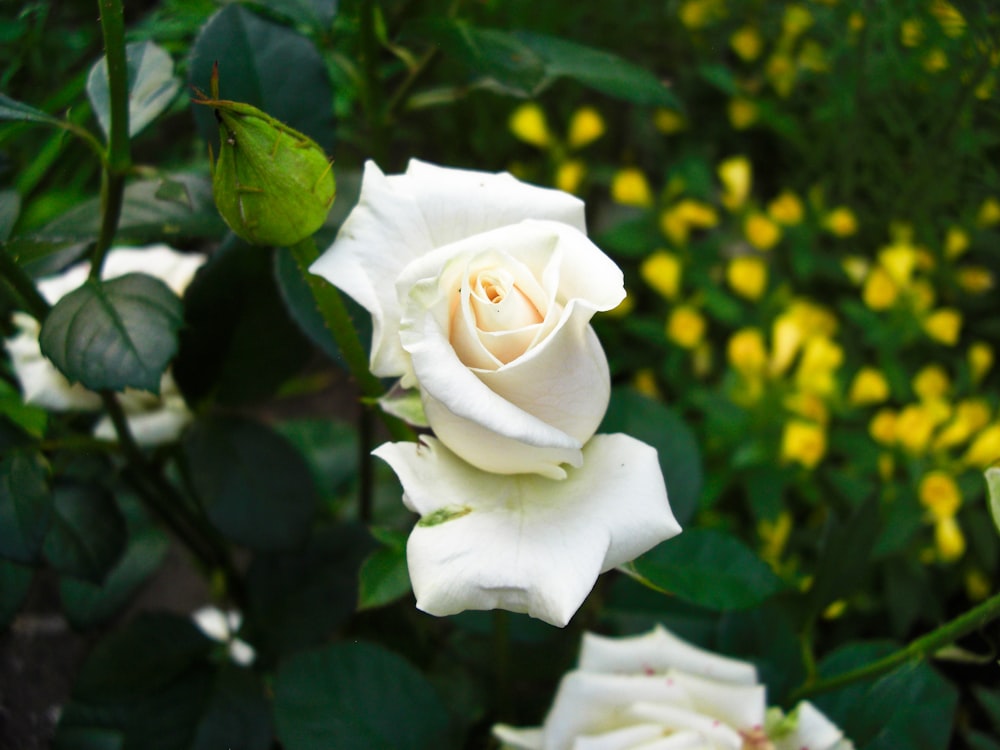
[(481, 289), (153, 419), (658, 691)]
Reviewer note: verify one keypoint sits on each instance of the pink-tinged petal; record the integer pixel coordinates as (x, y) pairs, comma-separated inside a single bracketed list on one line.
[(659, 651), (385, 232), (459, 203), (523, 542), (813, 731)]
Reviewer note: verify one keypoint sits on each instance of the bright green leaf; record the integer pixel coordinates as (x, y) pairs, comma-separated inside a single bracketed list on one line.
[(709, 568), (86, 535), (151, 86), (256, 488), (15, 110), (25, 506), (357, 696), (114, 334), (384, 577), (680, 460), (32, 419)]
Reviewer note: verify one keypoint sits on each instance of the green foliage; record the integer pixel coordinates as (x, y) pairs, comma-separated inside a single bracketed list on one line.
[(26, 506)]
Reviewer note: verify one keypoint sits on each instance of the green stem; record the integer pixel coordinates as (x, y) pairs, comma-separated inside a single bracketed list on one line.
[(331, 306), (921, 648), (119, 159), (34, 303)]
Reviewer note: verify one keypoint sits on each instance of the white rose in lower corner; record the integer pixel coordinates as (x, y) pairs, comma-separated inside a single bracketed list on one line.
[(153, 419), (658, 691), (481, 290)]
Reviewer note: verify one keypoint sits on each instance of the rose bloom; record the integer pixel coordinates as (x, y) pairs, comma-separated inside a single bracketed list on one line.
[(658, 691), (481, 290), (153, 419)]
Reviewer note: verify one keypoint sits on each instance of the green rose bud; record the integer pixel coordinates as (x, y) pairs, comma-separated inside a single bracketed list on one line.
[(272, 184)]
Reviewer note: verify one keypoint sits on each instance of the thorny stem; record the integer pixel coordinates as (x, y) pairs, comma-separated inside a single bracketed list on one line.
[(921, 648)]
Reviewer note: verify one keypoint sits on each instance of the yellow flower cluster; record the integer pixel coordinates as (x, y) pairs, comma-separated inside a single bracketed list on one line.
[(528, 124)]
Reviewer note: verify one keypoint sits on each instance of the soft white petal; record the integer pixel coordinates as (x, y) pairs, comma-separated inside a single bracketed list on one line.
[(213, 622), (458, 203), (241, 652), (527, 543), (741, 706), (659, 651), (683, 740), (150, 428), (676, 718), (173, 268), (383, 233), (625, 738), (812, 732), (518, 739), (587, 703)]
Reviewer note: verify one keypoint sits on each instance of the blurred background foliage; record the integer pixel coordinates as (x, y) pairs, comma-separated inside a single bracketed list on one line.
[(808, 216)]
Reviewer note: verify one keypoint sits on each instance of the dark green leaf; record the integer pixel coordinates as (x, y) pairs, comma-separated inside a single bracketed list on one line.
[(298, 598), (15, 581), (237, 344), (302, 306), (25, 506), (14, 110), (330, 447), (989, 700), (10, 209), (88, 738), (256, 488), (315, 15), (357, 696), (256, 59), (238, 715), (86, 604), (911, 708), (151, 86), (652, 422), (843, 557), (384, 577), (709, 568), (114, 334), (86, 536)]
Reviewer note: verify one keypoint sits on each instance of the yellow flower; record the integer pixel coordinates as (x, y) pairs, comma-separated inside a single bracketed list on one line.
[(950, 19), (803, 442), (570, 175), (808, 405), (944, 325), (774, 536), (761, 232), (841, 222), (736, 175), (662, 271), (668, 122), (935, 61), (977, 585), (835, 610), (882, 427), (914, 426), (899, 260), (629, 187), (985, 449), (949, 539), (868, 387), (796, 20), (697, 14), (911, 32), (678, 220), (586, 126), (931, 383), (527, 123), (747, 275), (781, 72), (746, 352), (686, 326), (980, 359), (820, 359), (975, 279), (956, 242), (939, 493), (813, 57), (742, 113), (786, 209), (856, 267), (989, 213), (856, 21), (747, 43), (879, 292), (645, 383), (922, 294)]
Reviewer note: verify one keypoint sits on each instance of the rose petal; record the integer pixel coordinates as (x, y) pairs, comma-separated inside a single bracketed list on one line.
[(527, 543), (627, 738), (660, 651), (675, 718), (740, 706), (518, 739), (812, 732)]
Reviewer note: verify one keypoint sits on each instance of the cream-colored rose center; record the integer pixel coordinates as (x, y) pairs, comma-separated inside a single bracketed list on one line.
[(500, 305)]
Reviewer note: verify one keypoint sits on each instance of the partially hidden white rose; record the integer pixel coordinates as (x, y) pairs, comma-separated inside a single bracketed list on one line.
[(658, 691), (481, 290), (153, 419)]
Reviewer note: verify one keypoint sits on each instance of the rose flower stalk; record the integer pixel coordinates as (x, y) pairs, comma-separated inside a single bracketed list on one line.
[(658, 691), (481, 290)]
